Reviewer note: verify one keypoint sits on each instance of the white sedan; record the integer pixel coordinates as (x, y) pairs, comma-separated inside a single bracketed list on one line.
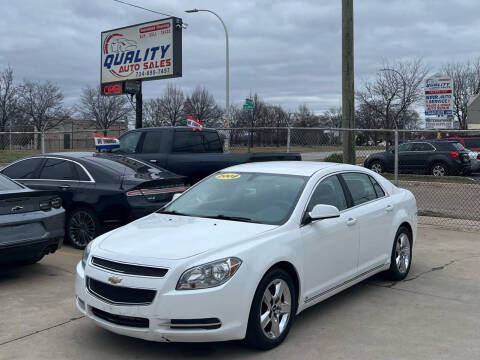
[(241, 253)]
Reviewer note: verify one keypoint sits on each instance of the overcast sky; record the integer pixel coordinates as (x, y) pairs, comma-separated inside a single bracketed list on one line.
[(289, 52)]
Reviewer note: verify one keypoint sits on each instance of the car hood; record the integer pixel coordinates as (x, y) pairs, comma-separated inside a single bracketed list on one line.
[(173, 237)]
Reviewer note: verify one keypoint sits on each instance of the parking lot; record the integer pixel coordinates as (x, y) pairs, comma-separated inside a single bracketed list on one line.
[(434, 314)]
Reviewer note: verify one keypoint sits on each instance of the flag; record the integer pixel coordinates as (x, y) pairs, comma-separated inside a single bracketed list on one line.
[(194, 123), (104, 142)]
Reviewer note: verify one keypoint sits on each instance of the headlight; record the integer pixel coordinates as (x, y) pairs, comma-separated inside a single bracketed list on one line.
[(209, 275), (86, 253)]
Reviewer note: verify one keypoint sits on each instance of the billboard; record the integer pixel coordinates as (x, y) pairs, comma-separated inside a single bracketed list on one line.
[(439, 102), (141, 52)]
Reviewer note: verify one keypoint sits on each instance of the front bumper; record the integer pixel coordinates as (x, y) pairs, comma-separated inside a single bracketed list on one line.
[(227, 303)]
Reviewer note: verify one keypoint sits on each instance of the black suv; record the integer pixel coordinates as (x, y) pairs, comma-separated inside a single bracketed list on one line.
[(435, 157)]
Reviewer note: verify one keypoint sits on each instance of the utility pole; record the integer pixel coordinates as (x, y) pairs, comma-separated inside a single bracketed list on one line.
[(138, 107), (348, 86)]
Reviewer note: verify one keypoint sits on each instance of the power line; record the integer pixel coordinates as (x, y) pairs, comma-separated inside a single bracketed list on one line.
[(140, 7)]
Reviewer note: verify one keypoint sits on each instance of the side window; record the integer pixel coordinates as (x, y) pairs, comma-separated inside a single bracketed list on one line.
[(188, 141), (129, 142), (23, 169), (422, 147), (405, 147), (328, 192), (378, 189), (57, 169), (360, 187), (472, 143), (81, 174), (212, 142), (152, 141)]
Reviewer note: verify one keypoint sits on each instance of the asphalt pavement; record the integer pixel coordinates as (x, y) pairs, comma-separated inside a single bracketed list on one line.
[(433, 314)]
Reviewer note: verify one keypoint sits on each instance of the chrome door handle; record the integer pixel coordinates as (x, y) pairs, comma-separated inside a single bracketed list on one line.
[(153, 161), (389, 208), (351, 221), (64, 187)]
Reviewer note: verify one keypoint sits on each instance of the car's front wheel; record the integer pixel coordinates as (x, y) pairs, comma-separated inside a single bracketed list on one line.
[(82, 227), (377, 166), (273, 310)]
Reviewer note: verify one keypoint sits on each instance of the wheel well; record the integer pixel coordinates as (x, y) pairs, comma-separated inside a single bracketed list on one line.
[(407, 225), (290, 269), (78, 205)]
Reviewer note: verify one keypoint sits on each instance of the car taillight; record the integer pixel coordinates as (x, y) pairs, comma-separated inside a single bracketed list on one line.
[(478, 156), (56, 203), (45, 205), (134, 193), (455, 155)]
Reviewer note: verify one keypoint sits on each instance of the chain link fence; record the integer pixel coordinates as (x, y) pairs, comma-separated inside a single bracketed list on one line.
[(449, 200)]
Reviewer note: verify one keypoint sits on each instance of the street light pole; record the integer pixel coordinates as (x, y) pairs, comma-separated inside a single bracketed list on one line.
[(227, 59)]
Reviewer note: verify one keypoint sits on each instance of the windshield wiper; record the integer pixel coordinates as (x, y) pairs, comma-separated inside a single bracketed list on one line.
[(233, 218), (171, 212)]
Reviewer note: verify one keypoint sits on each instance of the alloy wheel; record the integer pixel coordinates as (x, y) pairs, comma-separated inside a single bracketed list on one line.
[(402, 253), (377, 167), (275, 309), (438, 170), (82, 228)]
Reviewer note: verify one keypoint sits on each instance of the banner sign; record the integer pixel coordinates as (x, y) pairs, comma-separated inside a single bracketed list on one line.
[(194, 123), (104, 142), (439, 102), (145, 51)]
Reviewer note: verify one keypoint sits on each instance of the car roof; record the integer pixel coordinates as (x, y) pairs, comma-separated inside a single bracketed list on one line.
[(301, 168)]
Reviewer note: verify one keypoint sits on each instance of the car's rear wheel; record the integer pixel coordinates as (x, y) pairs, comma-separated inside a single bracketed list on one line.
[(377, 166), (82, 227), (401, 258), (439, 169), (273, 310)]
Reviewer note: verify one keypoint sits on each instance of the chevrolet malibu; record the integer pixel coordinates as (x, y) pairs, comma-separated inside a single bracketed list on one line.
[(242, 252)]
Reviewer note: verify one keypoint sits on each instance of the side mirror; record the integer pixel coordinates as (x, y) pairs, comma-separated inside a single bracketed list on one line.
[(321, 212), (176, 196)]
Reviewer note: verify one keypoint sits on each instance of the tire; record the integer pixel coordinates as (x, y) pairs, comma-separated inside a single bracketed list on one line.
[(268, 336), (82, 227), (439, 169), (377, 166), (401, 258)]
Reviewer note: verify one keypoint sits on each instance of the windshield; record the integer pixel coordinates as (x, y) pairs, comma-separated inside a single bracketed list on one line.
[(251, 197)]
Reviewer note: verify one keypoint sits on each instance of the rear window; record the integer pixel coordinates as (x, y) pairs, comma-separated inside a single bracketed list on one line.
[(23, 169), (123, 165), (7, 184), (472, 143), (58, 169), (459, 147)]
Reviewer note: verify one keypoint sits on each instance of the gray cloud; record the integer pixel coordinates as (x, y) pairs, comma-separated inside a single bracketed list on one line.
[(287, 51)]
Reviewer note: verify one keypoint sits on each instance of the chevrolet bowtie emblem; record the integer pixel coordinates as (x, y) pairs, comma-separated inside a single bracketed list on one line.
[(115, 280)]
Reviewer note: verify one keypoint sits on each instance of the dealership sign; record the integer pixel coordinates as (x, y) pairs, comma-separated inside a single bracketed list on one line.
[(439, 102), (141, 52)]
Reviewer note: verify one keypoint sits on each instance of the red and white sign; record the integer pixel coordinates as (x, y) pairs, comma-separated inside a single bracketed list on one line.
[(439, 102), (104, 142), (194, 123)]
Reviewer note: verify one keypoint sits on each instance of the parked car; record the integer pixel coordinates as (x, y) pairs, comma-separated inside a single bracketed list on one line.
[(194, 154), (98, 190), (435, 157), (469, 142), (241, 253), (31, 223)]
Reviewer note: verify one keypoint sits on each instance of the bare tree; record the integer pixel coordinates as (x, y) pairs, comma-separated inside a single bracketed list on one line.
[(152, 115), (466, 82), (396, 88), (42, 104), (332, 117), (305, 118), (8, 98), (105, 110), (171, 105), (201, 105)]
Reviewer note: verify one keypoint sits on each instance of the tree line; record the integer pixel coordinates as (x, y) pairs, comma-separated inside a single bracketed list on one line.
[(388, 100)]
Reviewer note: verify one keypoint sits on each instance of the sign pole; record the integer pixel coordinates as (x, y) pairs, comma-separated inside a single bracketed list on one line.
[(138, 108)]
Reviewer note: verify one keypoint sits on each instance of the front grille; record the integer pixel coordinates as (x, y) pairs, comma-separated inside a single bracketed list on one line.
[(190, 324), (121, 319), (129, 268), (120, 295)]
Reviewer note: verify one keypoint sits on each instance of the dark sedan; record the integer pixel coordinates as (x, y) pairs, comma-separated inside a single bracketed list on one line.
[(31, 223), (434, 157), (99, 191)]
